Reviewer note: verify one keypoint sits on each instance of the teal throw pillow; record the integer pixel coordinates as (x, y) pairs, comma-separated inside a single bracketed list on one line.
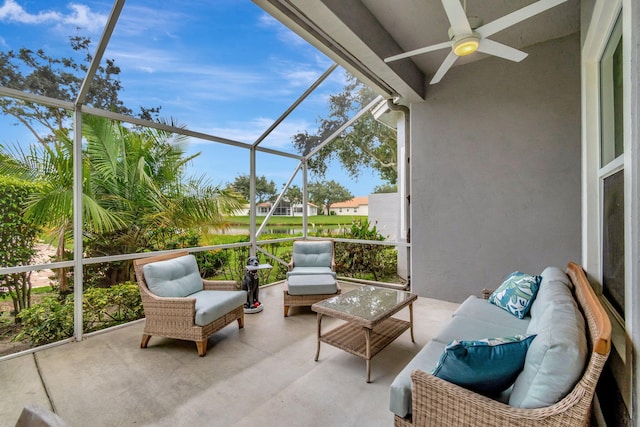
[(516, 294), (487, 366)]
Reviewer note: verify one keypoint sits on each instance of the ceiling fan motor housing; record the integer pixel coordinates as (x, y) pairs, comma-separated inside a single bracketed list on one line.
[(474, 22)]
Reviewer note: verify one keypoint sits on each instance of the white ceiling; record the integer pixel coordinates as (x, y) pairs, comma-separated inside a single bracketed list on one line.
[(359, 34)]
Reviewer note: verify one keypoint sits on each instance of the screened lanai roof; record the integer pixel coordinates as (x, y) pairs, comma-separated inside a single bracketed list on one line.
[(225, 74), (225, 70)]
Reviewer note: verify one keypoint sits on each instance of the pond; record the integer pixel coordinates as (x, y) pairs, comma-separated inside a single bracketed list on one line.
[(278, 229)]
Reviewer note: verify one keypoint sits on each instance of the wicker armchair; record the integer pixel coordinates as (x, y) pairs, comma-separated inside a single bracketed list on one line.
[(312, 257), (311, 277), (177, 317)]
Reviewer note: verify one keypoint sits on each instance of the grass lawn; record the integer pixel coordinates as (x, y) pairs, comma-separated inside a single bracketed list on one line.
[(297, 220)]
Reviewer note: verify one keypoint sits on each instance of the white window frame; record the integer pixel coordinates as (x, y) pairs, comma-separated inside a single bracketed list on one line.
[(625, 332), (604, 171)]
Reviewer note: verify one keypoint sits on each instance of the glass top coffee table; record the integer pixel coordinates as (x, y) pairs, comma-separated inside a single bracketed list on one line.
[(370, 327)]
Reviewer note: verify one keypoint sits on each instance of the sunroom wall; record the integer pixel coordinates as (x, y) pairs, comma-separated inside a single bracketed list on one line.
[(496, 171)]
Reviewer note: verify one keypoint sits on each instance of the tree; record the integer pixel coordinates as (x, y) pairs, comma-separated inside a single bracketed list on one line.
[(51, 206), (386, 188), (265, 190), (327, 193), (365, 144), (59, 78)]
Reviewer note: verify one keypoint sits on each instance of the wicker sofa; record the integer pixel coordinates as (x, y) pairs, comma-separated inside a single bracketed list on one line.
[(558, 371)]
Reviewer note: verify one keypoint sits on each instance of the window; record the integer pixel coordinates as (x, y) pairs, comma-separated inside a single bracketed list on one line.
[(611, 173), (605, 197), (613, 240), (611, 85)]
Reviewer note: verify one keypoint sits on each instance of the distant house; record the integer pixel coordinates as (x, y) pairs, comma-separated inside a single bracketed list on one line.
[(283, 209), (355, 206)]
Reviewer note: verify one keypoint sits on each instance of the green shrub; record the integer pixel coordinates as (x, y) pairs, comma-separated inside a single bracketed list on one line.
[(49, 321), (17, 239), (105, 307), (52, 319), (365, 261), (211, 263)]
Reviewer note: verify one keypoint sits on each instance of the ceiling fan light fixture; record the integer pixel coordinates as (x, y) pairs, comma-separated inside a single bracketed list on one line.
[(466, 45)]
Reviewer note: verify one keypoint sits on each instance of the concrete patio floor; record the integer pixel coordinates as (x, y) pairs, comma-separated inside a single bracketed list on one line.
[(262, 375)]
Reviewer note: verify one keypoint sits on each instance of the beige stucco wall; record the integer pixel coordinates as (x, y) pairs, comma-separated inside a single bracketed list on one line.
[(496, 171)]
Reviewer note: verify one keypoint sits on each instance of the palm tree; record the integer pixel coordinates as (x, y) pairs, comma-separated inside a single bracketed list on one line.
[(51, 207), (133, 184)]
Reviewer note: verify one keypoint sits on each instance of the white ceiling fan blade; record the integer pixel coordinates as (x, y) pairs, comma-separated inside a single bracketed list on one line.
[(501, 50), (457, 17), (517, 16), (418, 51), (444, 67)]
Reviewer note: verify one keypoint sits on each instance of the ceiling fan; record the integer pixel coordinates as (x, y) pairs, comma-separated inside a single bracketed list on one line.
[(467, 34)]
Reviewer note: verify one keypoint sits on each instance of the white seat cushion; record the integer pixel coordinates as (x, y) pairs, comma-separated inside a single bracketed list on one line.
[(555, 360), (211, 305), (312, 284), (400, 390)]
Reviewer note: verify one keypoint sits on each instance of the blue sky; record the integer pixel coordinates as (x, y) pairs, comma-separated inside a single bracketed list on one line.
[(222, 67)]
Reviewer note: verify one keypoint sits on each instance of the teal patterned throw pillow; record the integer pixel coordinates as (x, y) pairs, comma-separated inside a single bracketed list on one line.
[(486, 366), (516, 293)]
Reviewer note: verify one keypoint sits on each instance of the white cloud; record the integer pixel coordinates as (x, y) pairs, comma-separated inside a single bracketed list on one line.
[(163, 18), (283, 33), (11, 11), (143, 59), (80, 16), (83, 17), (249, 131)]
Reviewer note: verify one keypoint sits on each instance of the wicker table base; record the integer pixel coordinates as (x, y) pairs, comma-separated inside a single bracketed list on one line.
[(364, 335), (364, 342)]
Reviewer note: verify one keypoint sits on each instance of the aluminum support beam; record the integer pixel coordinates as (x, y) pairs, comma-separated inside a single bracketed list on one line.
[(102, 46), (295, 104), (252, 201), (280, 196), (77, 224), (305, 198)]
